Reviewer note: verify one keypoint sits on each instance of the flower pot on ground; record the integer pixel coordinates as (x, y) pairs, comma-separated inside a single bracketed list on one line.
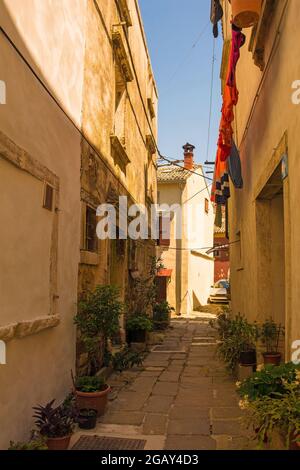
[(238, 339), (137, 328), (87, 418), (246, 13), (92, 393), (248, 357), (161, 315), (270, 334), (271, 398), (56, 424)]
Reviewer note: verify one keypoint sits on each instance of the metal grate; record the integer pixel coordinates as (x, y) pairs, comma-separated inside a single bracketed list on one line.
[(108, 443)]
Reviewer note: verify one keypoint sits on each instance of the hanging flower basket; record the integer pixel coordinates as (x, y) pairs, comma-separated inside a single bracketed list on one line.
[(245, 13)]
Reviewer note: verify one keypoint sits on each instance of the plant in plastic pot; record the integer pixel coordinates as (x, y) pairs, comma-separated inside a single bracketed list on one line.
[(87, 418), (91, 393), (56, 424), (238, 344), (245, 13), (161, 315), (270, 334), (137, 327)]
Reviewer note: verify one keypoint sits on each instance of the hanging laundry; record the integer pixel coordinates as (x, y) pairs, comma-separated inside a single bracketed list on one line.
[(218, 217), (238, 40), (235, 167), (216, 14), (220, 189)]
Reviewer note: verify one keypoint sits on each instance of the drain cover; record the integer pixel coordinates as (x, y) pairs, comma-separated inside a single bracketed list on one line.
[(108, 443)]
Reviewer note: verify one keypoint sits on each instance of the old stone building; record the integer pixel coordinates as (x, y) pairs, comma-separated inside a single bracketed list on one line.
[(264, 215), (78, 129), (188, 270)]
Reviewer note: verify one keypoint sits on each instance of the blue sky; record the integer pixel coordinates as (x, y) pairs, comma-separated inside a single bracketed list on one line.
[(183, 73)]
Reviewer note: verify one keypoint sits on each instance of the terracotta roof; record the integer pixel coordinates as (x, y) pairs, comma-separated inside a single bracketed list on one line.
[(172, 173)]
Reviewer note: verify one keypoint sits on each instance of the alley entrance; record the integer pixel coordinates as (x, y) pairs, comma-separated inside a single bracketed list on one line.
[(181, 399)]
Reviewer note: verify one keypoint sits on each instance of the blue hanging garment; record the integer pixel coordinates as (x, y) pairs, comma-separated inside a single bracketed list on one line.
[(235, 167)]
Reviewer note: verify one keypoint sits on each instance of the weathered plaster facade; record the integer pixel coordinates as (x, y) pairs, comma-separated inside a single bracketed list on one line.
[(73, 134), (264, 215), (120, 125)]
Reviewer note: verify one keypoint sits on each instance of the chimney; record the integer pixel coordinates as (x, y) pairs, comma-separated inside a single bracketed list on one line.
[(188, 156)]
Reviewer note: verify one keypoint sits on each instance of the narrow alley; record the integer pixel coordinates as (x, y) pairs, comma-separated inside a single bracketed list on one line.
[(182, 399)]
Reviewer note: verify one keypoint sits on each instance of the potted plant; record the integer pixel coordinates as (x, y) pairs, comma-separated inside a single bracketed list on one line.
[(140, 300), (161, 315), (270, 334), (56, 424), (126, 359), (137, 327), (87, 418), (245, 13), (279, 412), (36, 442), (91, 393), (98, 321), (238, 342)]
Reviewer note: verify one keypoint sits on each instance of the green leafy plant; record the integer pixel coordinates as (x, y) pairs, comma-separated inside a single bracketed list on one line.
[(37, 442), (280, 412), (53, 421), (139, 322), (222, 324), (90, 384), (127, 359), (270, 334), (98, 315), (269, 381), (237, 336), (162, 311)]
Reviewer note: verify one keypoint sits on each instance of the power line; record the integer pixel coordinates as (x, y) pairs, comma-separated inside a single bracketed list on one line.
[(204, 247), (142, 100), (189, 53), (211, 96)]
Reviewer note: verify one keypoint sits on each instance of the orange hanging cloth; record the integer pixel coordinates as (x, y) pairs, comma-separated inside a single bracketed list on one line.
[(220, 188)]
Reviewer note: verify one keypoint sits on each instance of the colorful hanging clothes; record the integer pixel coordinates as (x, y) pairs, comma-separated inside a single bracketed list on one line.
[(216, 14), (220, 189), (235, 167), (238, 40)]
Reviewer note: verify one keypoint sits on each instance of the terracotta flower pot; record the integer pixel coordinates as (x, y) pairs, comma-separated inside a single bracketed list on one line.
[(245, 13), (272, 358), (93, 401), (58, 443)]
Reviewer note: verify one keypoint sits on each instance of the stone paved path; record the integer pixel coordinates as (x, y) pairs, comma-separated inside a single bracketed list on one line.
[(182, 400)]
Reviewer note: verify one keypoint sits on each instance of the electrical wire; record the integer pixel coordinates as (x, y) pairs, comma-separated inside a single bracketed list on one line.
[(189, 53), (217, 247), (211, 97)]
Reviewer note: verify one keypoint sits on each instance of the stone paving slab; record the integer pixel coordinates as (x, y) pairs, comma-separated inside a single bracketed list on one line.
[(189, 426), (179, 401), (190, 443), (155, 424), (158, 404)]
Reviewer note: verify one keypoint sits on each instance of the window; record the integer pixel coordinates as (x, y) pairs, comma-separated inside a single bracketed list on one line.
[(164, 230), (206, 205), (90, 229), (48, 197)]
